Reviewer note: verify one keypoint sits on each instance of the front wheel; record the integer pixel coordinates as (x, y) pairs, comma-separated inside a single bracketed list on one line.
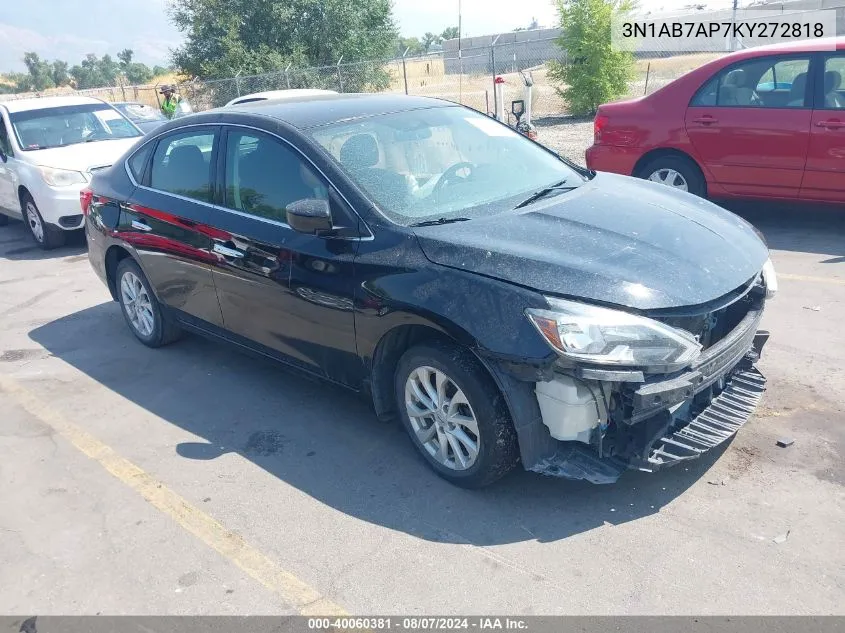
[(141, 309), (455, 415), (676, 172), (45, 235)]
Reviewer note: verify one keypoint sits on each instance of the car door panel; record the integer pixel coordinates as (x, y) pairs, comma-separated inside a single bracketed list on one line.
[(754, 144), (824, 176), (282, 289), (173, 234)]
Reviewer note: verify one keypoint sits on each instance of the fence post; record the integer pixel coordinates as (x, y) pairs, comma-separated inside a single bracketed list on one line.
[(287, 78), (499, 115), (339, 76), (647, 73), (404, 69), (238, 82)]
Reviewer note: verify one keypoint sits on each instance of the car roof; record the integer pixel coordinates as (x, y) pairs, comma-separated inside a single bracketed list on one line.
[(312, 111), (290, 93), (39, 103), (824, 44)]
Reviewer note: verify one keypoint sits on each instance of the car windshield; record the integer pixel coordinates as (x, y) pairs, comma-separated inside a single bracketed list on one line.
[(437, 164), (69, 125), (141, 112)]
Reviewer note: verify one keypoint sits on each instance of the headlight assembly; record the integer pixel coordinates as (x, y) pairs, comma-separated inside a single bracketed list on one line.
[(770, 279), (612, 337), (61, 177)]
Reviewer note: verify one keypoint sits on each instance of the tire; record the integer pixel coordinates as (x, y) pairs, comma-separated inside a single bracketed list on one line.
[(145, 318), (4, 219), (497, 451), (45, 235), (684, 167)]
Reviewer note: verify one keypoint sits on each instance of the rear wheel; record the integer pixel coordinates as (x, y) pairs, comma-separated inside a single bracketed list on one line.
[(45, 235), (141, 309), (455, 415), (676, 172)]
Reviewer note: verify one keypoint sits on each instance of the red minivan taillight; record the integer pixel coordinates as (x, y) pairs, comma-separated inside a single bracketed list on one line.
[(599, 124), (85, 197)]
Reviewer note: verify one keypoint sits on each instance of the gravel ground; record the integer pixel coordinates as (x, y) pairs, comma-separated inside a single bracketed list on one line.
[(570, 137)]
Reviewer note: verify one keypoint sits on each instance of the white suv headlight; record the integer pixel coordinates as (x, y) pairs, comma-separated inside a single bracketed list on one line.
[(62, 177), (612, 337)]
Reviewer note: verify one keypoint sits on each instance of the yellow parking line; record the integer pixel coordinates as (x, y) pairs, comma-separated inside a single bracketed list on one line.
[(230, 545), (821, 280)]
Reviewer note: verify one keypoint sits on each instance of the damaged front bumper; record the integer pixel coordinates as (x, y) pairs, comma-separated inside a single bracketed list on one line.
[(655, 423)]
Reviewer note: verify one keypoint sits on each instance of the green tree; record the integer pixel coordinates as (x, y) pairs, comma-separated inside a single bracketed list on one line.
[(450, 34), (108, 70), (125, 57), (430, 39), (40, 75), (412, 44), (59, 73), (225, 37), (593, 71), (87, 73)]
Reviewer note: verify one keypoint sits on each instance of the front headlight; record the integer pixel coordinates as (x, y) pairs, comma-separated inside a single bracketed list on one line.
[(61, 177), (612, 337), (770, 279)]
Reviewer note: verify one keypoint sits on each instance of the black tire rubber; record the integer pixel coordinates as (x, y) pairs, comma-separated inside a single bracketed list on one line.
[(4, 219), (165, 329), (499, 451), (54, 237), (684, 166)]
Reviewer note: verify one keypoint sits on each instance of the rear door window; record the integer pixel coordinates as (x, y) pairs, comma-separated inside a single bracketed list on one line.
[(832, 95), (183, 164), (767, 82)]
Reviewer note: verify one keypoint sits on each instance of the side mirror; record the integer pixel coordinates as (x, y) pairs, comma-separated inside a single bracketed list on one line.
[(311, 215)]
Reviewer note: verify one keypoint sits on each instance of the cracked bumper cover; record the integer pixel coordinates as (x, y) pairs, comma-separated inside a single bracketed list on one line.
[(678, 418)]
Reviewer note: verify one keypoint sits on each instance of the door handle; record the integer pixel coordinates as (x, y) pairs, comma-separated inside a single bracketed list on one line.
[(831, 125), (225, 251), (141, 226), (705, 120)]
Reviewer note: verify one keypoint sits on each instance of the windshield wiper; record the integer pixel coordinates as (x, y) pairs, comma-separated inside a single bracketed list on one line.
[(558, 186), (439, 221)]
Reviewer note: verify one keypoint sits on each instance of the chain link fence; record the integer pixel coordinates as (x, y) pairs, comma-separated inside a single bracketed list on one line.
[(464, 72)]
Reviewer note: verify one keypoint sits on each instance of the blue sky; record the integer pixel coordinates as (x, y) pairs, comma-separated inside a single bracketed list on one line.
[(55, 28)]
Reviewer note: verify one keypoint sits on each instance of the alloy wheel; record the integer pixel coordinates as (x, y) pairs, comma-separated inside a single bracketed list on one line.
[(136, 302), (670, 178), (442, 418), (34, 222)]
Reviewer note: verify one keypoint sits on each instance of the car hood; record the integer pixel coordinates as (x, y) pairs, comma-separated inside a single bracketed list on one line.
[(82, 156), (614, 240)]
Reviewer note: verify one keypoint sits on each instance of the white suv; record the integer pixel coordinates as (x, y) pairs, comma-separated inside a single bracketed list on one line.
[(48, 148)]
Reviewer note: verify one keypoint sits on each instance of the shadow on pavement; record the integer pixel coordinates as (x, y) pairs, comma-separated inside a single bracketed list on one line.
[(327, 443), (796, 227), (17, 244)]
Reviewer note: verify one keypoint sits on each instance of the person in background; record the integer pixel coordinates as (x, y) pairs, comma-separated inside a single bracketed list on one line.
[(171, 101)]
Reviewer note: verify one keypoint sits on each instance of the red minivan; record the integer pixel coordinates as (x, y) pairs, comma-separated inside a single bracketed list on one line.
[(763, 123)]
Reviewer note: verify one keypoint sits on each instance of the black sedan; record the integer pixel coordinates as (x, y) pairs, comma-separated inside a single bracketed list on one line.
[(504, 303)]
